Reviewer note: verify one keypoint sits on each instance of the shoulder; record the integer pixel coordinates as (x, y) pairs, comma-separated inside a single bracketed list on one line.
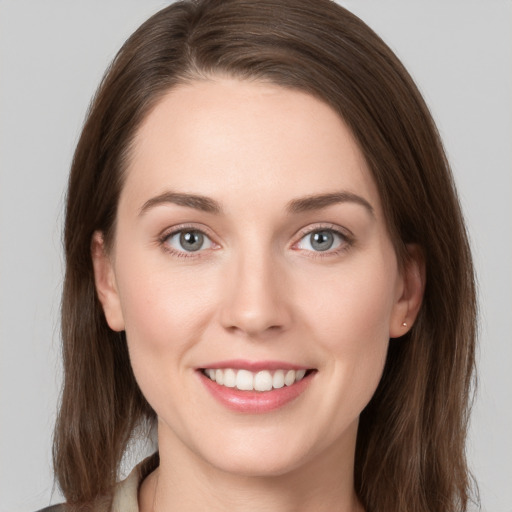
[(125, 494)]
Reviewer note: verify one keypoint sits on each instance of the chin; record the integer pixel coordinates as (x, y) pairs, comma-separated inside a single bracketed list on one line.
[(257, 457), (256, 466)]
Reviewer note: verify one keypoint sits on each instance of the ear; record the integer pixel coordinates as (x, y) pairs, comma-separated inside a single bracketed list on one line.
[(409, 293), (105, 281)]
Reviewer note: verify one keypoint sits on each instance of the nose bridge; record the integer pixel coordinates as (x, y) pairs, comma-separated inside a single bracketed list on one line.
[(255, 301)]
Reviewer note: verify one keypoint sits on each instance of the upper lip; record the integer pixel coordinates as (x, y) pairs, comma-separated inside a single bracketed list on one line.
[(253, 366)]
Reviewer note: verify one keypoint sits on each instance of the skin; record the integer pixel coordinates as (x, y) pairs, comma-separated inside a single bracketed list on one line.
[(258, 291)]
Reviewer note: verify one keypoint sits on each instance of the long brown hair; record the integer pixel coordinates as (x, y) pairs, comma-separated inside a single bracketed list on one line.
[(410, 453)]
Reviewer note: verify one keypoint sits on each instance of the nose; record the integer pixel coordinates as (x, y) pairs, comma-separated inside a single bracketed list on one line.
[(255, 301)]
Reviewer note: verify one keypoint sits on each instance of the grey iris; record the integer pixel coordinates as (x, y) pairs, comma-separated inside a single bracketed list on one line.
[(191, 240), (322, 240)]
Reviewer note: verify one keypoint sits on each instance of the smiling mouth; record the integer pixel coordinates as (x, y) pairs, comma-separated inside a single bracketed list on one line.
[(264, 380)]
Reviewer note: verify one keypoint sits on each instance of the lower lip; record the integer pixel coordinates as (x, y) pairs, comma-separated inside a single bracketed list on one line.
[(255, 401)]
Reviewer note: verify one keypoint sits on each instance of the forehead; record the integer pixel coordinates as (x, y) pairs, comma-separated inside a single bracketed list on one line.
[(230, 139)]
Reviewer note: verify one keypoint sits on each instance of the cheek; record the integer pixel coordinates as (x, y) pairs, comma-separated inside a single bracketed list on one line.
[(165, 309), (166, 312), (349, 313), (353, 303)]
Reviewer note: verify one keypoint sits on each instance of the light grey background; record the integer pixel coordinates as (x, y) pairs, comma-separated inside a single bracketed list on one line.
[(52, 56)]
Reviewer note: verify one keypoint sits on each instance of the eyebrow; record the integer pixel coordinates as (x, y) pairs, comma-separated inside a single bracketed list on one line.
[(300, 205), (319, 201), (197, 202)]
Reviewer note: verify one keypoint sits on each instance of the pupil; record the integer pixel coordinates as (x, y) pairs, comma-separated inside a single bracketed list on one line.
[(191, 240), (322, 240)]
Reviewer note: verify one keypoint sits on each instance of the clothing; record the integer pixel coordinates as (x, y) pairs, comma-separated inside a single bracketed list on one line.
[(126, 492)]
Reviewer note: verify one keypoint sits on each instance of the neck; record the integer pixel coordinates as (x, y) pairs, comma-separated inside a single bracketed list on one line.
[(184, 482)]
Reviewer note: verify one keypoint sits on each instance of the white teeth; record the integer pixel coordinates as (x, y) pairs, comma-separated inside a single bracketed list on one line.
[(289, 378), (259, 381), (263, 381), (278, 379), (244, 380), (299, 374), (229, 378)]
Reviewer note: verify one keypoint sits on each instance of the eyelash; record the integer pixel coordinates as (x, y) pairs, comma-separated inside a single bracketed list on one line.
[(347, 241), (177, 230)]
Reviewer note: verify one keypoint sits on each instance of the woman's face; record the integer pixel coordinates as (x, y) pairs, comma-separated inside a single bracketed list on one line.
[(251, 248)]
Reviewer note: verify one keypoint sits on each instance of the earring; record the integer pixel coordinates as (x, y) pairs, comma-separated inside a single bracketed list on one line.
[(404, 324)]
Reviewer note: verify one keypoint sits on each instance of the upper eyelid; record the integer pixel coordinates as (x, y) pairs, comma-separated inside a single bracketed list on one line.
[(324, 227), (166, 233)]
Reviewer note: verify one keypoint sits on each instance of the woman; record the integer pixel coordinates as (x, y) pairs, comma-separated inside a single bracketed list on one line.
[(265, 256)]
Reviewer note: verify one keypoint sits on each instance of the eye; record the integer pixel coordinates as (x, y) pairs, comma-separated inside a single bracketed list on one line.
[(188, 240), (322, 240)]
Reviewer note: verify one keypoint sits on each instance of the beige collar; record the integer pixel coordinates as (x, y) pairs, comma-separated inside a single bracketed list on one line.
[(126, 492)]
